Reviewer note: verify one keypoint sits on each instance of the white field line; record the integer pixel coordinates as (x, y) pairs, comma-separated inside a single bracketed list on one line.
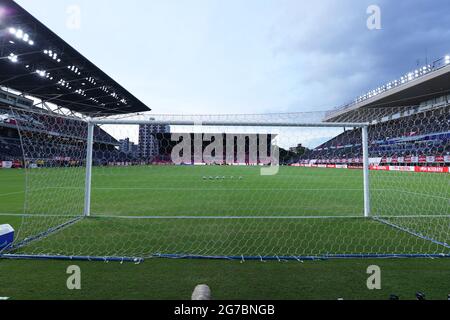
[(242, 190), (262, 217), (414, 193), (198, 189), (225, 217), (37, 215), (11, 193)]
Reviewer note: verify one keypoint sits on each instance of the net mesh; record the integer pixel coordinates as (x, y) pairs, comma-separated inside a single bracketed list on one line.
[(256, 186)]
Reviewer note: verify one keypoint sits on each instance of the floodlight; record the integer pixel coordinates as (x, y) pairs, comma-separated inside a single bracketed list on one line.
[(13, 58), (41, 73), (19, 34), (12, 30), (31, 43)]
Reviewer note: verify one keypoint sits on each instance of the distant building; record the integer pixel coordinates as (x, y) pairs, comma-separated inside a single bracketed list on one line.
[(128, 147), (125, 145), (149, 144)]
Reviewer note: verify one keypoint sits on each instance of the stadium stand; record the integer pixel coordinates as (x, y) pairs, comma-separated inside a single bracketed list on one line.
[(44, 128), (422, 135), (47, 88)]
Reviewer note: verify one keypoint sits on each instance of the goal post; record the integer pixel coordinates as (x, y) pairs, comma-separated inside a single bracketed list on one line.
[(366, 168), (89, 152)]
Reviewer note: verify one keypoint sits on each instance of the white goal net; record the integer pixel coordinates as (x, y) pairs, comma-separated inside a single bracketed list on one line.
[(276, 186)]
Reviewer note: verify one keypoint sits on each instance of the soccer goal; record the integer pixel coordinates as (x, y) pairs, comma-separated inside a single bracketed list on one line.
[(276, 186)]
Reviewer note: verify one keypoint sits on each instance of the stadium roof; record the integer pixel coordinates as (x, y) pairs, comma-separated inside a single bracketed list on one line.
[(411, 90), (37, 62)]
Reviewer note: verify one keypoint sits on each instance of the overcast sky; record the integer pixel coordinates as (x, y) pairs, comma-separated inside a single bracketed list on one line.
[(250, 56)]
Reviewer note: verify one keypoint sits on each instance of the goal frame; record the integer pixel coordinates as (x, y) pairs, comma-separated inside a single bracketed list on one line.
[(121, 122), (92, 123)]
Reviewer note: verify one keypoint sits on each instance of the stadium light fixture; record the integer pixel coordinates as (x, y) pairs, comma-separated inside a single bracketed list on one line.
[(21, 35), (91, 80), (403, 80), (53, 55), (74, 69), (65, 84), (81, 92), (41, 73), (13, 58), (447, 59)]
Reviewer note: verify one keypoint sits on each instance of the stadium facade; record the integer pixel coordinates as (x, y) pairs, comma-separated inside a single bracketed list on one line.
[(149, 144)]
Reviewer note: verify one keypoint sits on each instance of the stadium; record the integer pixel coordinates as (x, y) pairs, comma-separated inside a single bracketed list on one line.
[(90, 174)]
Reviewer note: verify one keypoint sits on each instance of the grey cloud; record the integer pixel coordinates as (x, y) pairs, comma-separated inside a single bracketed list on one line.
[(338, 58)]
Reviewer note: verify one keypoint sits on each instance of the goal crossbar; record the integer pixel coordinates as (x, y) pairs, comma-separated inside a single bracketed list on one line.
[(228, 123)]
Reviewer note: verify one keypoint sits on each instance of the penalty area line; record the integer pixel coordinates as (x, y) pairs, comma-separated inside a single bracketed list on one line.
[(11, 193), (268, 217), (224, 217), (201, 189)]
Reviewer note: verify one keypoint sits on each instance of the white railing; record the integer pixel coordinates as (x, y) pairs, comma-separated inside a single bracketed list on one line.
[(405, 79)]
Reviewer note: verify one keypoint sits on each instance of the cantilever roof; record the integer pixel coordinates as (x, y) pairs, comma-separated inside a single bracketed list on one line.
[(37, 62), (411, 90)]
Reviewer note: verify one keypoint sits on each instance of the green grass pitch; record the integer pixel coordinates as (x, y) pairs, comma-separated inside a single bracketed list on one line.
[(274, 215)]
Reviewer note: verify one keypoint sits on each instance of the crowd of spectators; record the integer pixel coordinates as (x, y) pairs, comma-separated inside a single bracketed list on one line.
[(422, 134)]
